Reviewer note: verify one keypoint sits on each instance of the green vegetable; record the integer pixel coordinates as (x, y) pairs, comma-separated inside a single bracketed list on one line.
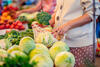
[(18, 53), (27, 44), (27, 17), (57, 48), (22, 18), (42, 61), (28, 32), (40, 49), (14, 37), (43, 18), (2, 37), (65, 59), (18, 61), (30, 24), (14, 48)]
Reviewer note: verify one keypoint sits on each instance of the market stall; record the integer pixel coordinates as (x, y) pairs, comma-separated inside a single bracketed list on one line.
[(27, 40), (32, 45)]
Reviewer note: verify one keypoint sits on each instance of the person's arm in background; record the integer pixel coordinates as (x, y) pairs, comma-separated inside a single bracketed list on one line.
[(31, 10), (80, 21), (36, 8)]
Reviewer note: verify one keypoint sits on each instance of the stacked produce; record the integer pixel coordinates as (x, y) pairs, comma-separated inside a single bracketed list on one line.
[(34, 47), (7, 17), (14, 37), (37, 55)]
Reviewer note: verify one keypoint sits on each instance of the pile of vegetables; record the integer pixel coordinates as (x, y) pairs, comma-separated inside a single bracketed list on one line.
[(8, 16), (14, 37), (17, 61), (13, 57), (31, 54), (22, 49), (22, 18)]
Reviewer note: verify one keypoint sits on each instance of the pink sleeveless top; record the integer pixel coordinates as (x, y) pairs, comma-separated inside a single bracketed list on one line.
[(49, 6)]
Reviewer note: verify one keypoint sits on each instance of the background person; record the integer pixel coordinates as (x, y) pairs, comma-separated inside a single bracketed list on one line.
[(45, 5)]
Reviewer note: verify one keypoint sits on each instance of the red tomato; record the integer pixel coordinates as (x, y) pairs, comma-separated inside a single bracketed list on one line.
[(21, 28), (11, 26), (7, 26), (2, 26), (19, 24), (16, 27)]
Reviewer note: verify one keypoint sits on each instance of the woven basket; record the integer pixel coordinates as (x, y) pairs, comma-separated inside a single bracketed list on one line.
[(37, 29)]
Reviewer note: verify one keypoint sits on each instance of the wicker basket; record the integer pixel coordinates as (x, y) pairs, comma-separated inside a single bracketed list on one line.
[(37, 29)]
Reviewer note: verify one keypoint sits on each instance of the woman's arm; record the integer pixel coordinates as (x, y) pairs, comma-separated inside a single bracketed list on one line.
[(80, 21), (31, 10)]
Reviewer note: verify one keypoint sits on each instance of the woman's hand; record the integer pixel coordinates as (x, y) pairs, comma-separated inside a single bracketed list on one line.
[(61, 30)]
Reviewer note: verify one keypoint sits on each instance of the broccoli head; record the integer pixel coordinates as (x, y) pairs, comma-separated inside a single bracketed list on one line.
[(43, 18)]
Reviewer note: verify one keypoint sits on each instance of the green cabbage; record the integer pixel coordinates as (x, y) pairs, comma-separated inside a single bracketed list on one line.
[(57, 48), (18, 53), (27, 44), (42, 61), (14, 48), (65, 59), (40, 49)]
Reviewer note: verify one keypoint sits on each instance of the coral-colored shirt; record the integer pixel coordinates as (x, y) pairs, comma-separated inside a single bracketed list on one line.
[(47, 5)]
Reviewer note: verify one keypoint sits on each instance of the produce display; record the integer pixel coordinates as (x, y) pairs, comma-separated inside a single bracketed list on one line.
[(37, 55), (7, 17), (35, 47), (98, 47), (14, 36), (57, 48), (25, 17)]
